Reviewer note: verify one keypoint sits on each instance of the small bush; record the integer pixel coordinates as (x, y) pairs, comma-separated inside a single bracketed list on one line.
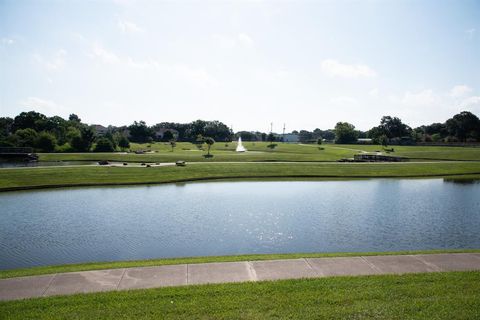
[(64, 148), (103, 145)]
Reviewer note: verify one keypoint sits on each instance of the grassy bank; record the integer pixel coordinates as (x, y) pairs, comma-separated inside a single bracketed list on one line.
[(25, 178), (258, 151), (160, 262), (452, 295)]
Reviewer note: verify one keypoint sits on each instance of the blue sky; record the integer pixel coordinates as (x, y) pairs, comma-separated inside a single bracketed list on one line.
[(308, 64)]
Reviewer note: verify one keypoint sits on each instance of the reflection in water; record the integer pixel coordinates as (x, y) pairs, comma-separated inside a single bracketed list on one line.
[(461, 181), (222, 218), (21, 164)]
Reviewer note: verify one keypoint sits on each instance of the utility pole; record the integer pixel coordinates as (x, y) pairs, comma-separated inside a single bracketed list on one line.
[(283, 135), (271, 127)]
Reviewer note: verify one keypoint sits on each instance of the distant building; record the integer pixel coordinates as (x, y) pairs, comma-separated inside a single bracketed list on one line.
[(364, 141), (290, 138), (99, 129)]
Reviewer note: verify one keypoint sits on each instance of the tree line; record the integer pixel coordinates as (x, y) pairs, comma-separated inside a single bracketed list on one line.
[(48, 134), (462, 127)]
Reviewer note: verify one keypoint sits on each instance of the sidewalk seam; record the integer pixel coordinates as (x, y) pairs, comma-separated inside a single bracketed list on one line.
[(121, 278), (252, 271), (49, 284), (429, 264), (187, 273), (318, 272), (371, 265)]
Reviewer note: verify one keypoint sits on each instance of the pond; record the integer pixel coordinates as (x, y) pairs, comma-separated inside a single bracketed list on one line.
[(21, 164), (224, 218)]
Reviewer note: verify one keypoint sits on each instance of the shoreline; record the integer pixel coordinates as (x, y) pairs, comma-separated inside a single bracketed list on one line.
[(476, 175), (89, 266)]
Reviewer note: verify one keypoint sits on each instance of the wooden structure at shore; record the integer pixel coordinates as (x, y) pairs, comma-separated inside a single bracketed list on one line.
[(375, 157), (26, 154)]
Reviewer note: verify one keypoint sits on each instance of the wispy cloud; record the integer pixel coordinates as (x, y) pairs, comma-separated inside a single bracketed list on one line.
[(196, 75), (7, 41), (470, 33), (344, 101), (334, 68), (54, 63), (127, 26), (230, 42), (42, 105), (460, 90), (106, 56)]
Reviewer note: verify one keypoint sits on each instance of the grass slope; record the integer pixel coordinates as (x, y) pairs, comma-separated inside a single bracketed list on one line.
[(24, 178), (258, 151), (453, 295)]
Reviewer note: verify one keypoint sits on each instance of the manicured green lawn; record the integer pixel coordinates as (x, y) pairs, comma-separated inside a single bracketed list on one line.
[(12, 179), (452, 295), (258, 151)]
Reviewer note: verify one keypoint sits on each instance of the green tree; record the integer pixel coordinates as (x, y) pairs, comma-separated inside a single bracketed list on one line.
[(345, 133), (394, 127), (209, 141), (74, 118), (83, 141), (271, 137), (123, 143), (103, 145), (26, 137), (46, 142), (167, 136), (30, 120), (464, 125), (173, 144), (139, 132), (6, 125)]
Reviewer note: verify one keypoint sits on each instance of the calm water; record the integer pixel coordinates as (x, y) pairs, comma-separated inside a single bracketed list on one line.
[(222, 218), (21, 164)]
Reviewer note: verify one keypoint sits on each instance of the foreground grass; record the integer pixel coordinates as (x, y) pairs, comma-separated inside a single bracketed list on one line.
[(26, 178), (452, 295), (190, 260)]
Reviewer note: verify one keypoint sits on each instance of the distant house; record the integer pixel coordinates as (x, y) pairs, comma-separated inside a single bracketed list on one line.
[(99, 129), (161, 132), (364, 141), (290, 138)]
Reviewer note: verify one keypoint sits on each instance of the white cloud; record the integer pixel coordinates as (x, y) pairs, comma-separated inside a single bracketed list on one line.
[(344, 101), (420, 99), (245, 40), (42, 105), (334, 68), (223, 41), (7, 41), (230, 42), (460, 90), (470, 33), (106, 56), (374, 93), (198, 76), (55, 63), (472, 102), (129, 26)]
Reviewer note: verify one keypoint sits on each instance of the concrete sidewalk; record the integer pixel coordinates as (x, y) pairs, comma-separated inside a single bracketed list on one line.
[(187, 274)]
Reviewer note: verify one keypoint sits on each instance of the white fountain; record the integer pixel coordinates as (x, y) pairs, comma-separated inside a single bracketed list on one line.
[(240, 147)]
